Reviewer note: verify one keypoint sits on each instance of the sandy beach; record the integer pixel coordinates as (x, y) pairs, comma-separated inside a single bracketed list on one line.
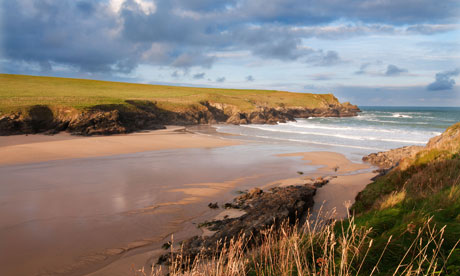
[(40, 148), (121, 197)]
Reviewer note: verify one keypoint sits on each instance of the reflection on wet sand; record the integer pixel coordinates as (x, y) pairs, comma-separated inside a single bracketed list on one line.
[(75, 215), (99, 215)]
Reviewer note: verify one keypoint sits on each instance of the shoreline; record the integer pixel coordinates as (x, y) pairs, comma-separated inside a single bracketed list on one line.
[(198, 194), (23, 149)]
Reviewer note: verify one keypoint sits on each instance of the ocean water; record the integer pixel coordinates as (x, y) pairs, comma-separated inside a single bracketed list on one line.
[(374, 129)]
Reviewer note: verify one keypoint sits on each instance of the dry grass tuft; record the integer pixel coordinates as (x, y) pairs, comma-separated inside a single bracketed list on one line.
[(392, 199), (324, 247)]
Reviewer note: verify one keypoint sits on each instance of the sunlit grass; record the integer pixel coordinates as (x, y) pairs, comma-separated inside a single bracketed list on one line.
[(19, 92), (319, 248)]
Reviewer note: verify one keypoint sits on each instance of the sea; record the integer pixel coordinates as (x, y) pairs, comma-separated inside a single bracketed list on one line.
[(375, 129)]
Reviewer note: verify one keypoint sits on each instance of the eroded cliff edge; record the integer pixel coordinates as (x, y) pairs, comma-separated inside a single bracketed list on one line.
[(135, 115)]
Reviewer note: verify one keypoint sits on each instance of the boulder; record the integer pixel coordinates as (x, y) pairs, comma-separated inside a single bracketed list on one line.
[(391, 158)]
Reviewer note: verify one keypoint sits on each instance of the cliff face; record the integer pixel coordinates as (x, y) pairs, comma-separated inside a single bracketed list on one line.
[(437, 147), (142, 115)]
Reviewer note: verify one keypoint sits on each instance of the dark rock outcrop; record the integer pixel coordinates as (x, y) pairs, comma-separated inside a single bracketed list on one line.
[(262, 210), (39, 119)]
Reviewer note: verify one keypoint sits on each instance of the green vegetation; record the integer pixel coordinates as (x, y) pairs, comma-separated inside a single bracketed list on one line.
[(19, 92), (424, 188)]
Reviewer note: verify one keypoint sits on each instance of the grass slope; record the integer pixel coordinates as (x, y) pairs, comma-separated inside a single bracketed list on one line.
[(19, 92), (426, 187)]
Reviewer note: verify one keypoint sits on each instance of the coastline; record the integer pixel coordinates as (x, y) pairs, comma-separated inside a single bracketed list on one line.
[(193, 196)]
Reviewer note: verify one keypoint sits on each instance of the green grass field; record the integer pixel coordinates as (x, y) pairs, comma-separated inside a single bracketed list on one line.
[(18, 92)]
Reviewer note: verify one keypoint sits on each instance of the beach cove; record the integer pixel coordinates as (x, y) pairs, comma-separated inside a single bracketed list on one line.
[(98, 205)]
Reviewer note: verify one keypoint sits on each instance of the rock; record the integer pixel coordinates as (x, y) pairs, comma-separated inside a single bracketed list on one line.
[(263, 210), (237, 119), (213, 205), (320, 181), (448, 140), (254, 192), (391, 158), (230, 206)]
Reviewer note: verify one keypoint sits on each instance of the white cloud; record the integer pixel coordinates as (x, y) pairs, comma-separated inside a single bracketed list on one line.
[(147, 6)]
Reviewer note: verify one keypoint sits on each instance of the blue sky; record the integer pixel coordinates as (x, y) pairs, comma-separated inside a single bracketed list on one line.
[(376, 52)]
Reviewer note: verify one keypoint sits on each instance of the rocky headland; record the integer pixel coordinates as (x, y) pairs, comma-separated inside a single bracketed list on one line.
[(33, 104), (145, 115)]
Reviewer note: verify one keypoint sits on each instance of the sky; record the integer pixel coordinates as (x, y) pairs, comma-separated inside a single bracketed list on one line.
[(374, 52)]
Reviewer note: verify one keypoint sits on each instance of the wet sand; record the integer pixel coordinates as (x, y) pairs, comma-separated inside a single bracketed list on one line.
[(74, 216), (339, 194), (328, 162), (336, 197), (101, 213), (346, 180), (39, 148)]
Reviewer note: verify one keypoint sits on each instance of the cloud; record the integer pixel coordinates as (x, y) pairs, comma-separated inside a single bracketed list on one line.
[(76, 33), (199, 76), (249, 78), (220, 79), (444, 80), (321, 77), (329, 58), (396, 96), (362, 68), (320, 12), (310, 87), (205, 5), (428, 29), (369, 68), (188, 60), (115, 36), (393, 70)]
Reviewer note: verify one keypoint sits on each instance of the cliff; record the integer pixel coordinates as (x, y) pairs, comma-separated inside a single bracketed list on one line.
[(437, 147), (87, 107)]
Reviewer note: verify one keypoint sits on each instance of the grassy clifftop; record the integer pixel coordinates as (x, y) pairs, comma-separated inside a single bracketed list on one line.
[(20, 92), (31, 104)]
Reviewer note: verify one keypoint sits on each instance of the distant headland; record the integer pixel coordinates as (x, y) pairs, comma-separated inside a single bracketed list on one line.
[(32, 104)]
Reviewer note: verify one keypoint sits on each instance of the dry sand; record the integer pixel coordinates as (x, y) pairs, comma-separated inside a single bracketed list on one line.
[(39, 148)]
